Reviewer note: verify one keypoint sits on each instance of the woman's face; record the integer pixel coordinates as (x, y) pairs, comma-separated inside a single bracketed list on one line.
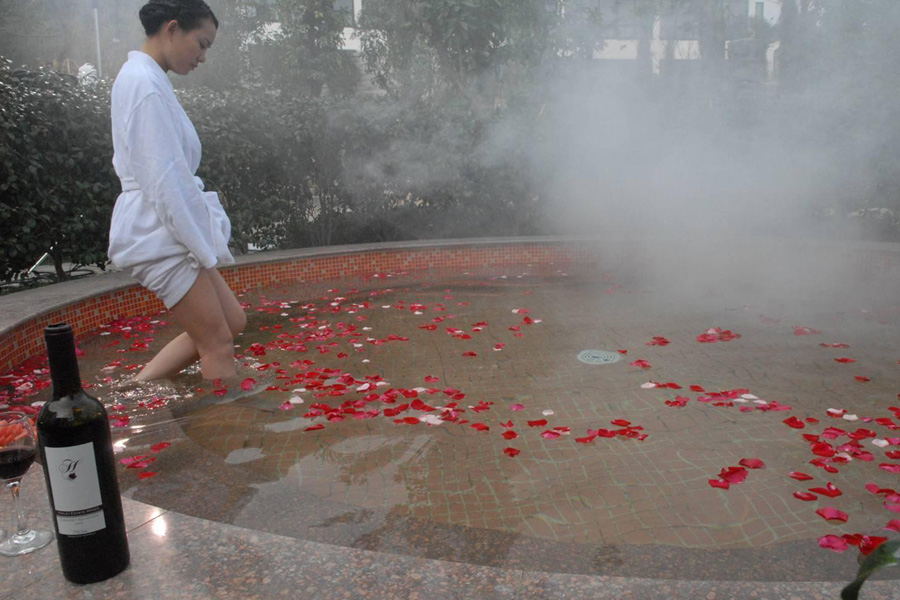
[(187, 49)]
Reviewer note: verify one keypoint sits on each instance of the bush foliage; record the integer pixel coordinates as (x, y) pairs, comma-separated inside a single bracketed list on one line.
[(57, 184), (293, 170)]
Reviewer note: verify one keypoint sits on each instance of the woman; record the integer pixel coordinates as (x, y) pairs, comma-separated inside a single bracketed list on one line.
[(166, 230)]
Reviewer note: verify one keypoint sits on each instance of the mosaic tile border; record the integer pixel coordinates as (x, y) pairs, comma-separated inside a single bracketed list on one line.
[(88, 313)]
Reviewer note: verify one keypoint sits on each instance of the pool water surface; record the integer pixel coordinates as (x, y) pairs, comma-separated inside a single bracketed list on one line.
[(449, 415)]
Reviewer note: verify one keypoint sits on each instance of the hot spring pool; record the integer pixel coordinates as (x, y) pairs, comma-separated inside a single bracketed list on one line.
[(453, 414)]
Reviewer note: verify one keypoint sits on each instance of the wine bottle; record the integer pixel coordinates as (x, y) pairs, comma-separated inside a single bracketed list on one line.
[(77, 456)]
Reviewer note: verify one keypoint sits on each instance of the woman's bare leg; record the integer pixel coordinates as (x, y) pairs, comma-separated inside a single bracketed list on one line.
[(209, 332), (234, 312)]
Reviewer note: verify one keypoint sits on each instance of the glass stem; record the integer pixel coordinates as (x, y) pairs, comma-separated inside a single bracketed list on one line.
[(21, 522)]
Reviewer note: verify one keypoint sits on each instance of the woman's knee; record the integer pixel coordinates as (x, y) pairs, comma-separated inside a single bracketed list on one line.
[(203, 317)]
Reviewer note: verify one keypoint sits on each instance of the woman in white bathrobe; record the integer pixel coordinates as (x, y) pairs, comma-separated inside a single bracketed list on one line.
[(166, 230)]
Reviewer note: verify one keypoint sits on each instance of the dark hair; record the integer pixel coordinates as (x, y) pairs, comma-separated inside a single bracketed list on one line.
[(189, 13)]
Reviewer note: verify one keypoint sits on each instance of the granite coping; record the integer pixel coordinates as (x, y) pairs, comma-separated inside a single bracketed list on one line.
[(175, 556)]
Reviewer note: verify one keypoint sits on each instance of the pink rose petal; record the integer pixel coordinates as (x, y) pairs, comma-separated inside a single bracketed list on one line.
[(833, 542)]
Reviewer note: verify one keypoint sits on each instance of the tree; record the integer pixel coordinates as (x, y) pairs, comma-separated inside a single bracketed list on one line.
[(458, 48), (302, 52)]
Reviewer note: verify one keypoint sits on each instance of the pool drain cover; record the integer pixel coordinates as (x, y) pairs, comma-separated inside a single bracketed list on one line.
[(598, 357)]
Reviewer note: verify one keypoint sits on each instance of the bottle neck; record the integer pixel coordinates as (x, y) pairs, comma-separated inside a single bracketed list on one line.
[(64, 373)]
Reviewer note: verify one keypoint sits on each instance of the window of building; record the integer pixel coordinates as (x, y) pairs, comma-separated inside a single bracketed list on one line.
[(349, 8), (760, 10)]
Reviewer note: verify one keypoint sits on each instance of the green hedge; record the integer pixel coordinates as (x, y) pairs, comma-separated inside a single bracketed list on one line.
[(292, 170), (57, 185)]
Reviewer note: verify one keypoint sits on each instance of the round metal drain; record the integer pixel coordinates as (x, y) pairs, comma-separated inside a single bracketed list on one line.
[(599, 357)]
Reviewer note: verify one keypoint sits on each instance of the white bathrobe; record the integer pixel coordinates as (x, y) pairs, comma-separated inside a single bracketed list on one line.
[(164, 226)]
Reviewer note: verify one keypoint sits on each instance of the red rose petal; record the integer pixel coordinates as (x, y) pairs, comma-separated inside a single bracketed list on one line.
[(805, 496), (794, 422), (511, 452), (718, 483), (160, 446), (537, 423), (679, 401), (829, 490), (752, 463), (733, 474), (146, 474), (799, 476), (248, 384), (829, 513), (893, 525), (862, 378), (510, 435), (845, 360), (869, 543)]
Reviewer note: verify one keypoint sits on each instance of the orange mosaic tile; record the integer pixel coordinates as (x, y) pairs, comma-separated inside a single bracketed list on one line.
[(87, 314)]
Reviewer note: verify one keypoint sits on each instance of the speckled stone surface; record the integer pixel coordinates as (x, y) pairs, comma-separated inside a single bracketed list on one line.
[(179, 557)]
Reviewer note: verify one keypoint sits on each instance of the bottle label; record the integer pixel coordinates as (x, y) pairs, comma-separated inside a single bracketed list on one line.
[(75, 487)]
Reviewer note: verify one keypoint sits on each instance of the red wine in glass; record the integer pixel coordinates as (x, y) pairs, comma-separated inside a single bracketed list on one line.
[(17, 448), (15, 463)]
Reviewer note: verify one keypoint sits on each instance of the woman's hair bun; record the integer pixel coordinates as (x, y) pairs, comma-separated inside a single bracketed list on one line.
[(189, 13)]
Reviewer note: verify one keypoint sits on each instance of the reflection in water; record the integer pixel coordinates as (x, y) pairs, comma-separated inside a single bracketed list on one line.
[(243, 455)]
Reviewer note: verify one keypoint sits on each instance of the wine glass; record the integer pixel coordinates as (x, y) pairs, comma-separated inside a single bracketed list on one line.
[(17, 449)]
